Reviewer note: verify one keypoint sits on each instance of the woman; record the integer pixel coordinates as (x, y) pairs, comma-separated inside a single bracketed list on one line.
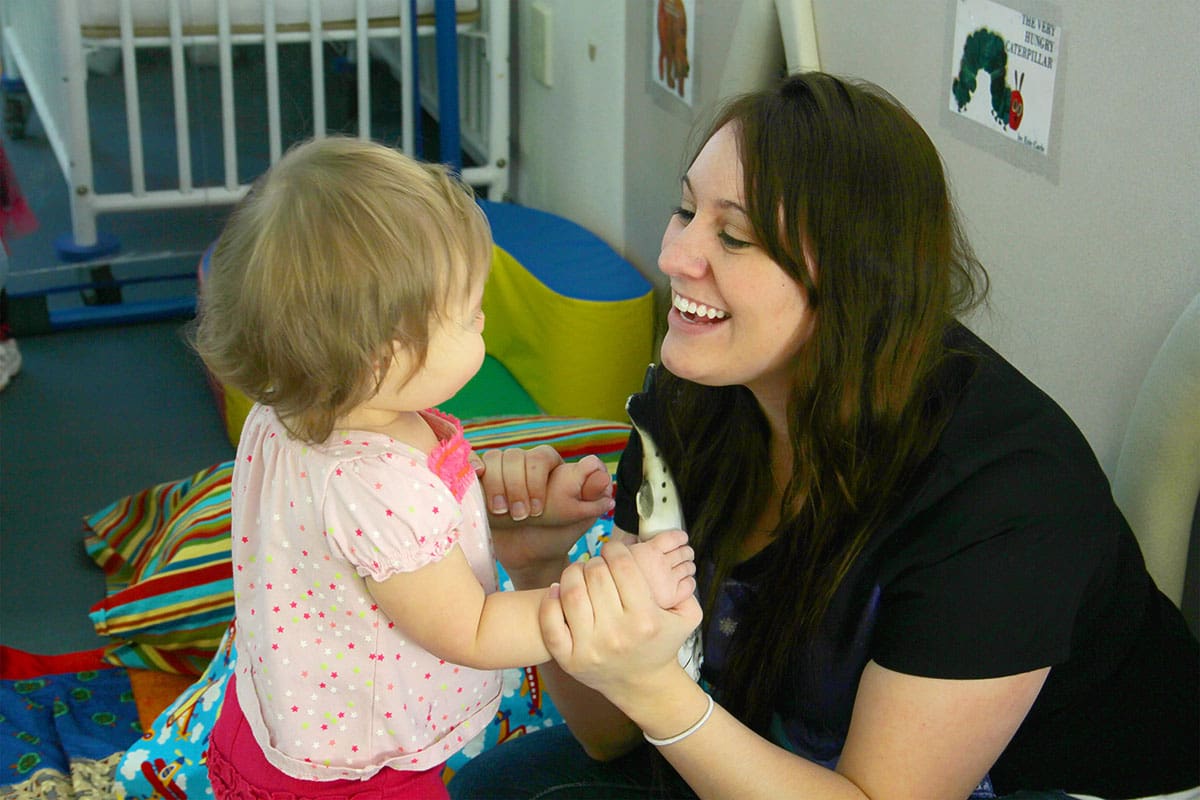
[(914, 580)]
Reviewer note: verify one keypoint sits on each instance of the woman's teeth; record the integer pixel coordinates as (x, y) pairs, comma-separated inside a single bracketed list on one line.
[(697, 310)]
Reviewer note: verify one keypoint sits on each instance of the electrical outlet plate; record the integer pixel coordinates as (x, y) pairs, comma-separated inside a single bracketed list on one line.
[(540, 52)]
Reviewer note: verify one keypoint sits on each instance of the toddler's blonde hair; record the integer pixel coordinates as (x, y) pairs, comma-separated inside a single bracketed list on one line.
[(342, 248)]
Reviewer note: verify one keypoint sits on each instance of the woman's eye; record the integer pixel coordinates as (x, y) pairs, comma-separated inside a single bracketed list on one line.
[(733, 242), (685, 215)]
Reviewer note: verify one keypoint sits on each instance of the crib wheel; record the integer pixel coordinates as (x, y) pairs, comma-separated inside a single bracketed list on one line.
[(16, 113)]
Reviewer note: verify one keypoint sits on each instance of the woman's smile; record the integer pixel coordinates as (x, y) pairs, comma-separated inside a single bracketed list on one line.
[(693, 311)]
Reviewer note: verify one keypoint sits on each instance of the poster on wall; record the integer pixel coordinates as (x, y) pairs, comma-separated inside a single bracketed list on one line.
[(1004, 66), (674, 47)]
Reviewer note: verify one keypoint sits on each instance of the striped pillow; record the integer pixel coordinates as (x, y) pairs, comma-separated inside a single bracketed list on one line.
[(165, 554), (572, 437), (165, 550)]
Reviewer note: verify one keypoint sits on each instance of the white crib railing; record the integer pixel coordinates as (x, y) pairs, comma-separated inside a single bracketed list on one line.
[(482, 95), (45, 45)]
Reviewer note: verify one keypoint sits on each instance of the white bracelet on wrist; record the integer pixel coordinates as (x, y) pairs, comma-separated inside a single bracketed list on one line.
[(679, 737)]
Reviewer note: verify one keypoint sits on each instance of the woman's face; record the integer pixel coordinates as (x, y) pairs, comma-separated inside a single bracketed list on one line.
[(736, 316)]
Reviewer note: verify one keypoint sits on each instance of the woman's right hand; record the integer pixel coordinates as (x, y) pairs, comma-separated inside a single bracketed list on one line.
[(604, 628)]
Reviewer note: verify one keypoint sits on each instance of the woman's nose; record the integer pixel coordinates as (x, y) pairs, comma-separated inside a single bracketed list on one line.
[(680, 254)]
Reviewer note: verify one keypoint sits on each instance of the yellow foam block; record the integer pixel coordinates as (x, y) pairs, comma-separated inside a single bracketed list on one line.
[(578, 358), (235, 407)]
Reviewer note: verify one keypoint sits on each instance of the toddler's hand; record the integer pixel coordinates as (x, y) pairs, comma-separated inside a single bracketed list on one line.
[(668, 565), (577, 491)]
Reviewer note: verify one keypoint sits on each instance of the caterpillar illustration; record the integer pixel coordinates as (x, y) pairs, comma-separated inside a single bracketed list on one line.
[(985, 50)]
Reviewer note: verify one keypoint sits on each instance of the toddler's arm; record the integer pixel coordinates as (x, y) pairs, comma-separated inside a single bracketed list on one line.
[(443, 608)]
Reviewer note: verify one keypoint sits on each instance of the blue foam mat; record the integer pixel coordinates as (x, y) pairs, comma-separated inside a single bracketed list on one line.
[(568, 258)]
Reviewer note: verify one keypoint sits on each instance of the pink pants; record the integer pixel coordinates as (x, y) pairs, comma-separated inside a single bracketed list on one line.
[(240, 771)]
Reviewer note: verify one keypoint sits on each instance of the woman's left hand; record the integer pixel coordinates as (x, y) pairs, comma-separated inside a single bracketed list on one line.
[(603, 627), (538, 487), (538, 506)]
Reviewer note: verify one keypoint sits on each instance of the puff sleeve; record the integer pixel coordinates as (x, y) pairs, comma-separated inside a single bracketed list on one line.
[(388, 513)]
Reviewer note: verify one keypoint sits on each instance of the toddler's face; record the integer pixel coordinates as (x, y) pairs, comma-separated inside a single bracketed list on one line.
[(456, 353), (456, 348)]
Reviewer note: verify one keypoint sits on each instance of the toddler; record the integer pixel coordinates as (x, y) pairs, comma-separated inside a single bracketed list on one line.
[(344, 298)]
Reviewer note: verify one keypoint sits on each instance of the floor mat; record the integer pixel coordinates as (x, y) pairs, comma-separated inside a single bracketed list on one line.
[(62, 733)]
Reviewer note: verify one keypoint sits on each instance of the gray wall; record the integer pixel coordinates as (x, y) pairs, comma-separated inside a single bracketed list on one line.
[(1089, 271)]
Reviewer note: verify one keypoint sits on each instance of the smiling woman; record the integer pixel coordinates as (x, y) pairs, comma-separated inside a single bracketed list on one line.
[(879, 505)]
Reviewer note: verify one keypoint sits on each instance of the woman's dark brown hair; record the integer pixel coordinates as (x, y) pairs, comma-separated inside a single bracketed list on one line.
[(847, 194)]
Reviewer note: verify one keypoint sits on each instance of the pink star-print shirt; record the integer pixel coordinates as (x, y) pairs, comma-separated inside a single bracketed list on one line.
[(330, 686)]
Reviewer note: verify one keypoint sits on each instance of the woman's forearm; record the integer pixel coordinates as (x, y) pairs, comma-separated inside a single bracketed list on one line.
[(750, 766), (601, 728), (536, 575), (533, 555)]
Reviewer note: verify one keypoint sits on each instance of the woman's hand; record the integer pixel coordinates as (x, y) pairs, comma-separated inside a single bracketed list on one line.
[(604, 627), (535, 488)]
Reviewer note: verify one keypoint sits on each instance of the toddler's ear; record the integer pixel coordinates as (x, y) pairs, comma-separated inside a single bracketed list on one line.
[(397, 353), (398, 358)]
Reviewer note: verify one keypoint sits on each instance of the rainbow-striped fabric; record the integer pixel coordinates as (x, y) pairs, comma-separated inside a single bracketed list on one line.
[(165, 550), (165, 553), (572, 437)]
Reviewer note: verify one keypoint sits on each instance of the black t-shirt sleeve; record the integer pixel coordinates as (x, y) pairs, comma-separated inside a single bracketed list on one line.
[(991, 578)]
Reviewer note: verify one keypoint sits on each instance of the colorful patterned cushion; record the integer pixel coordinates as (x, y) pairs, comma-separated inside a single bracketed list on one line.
[(65, 722), (165, 550), (168, 760), (573, 438)]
